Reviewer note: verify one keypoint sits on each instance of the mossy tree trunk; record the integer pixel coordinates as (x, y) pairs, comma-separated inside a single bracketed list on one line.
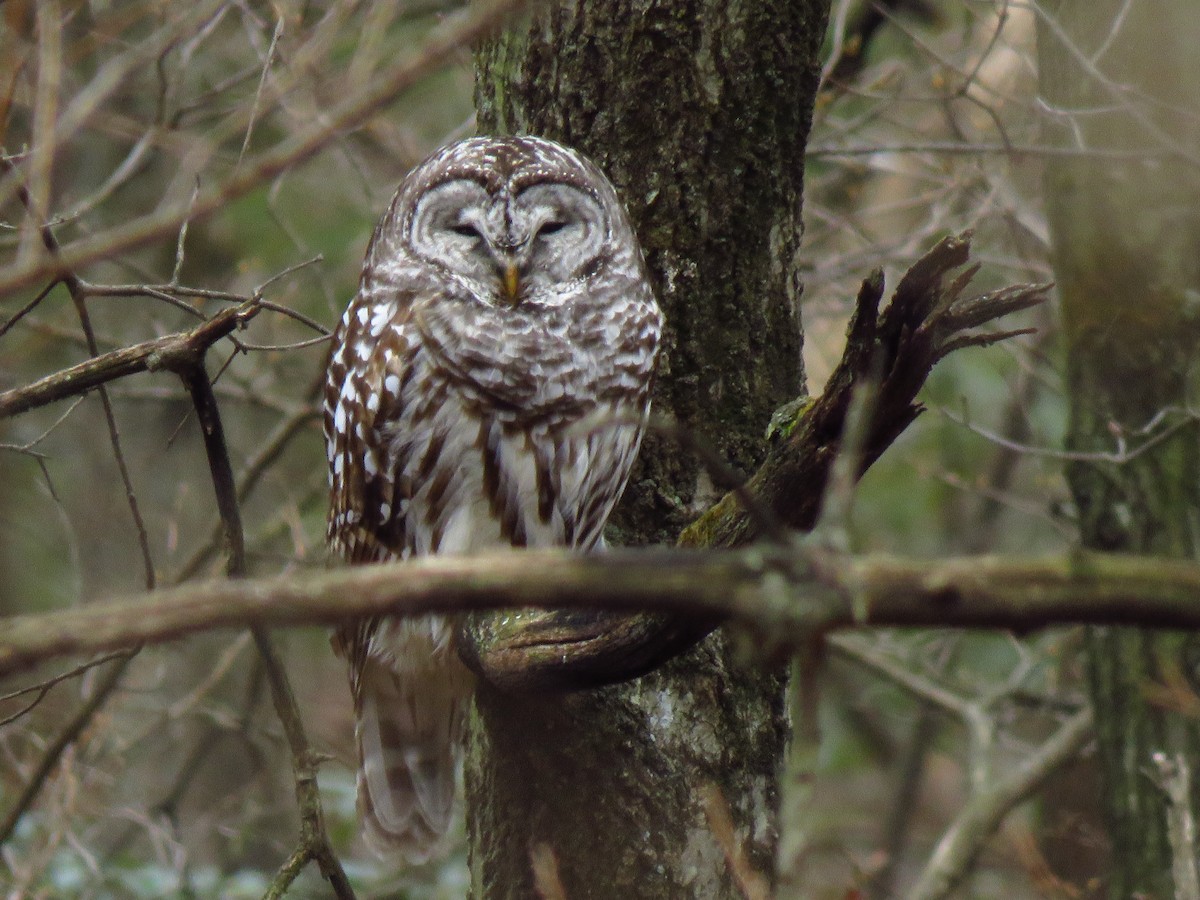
[(1121, 81), (699, 111)]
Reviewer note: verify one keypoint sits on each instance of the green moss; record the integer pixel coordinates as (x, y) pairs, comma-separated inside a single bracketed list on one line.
[(785, 419)]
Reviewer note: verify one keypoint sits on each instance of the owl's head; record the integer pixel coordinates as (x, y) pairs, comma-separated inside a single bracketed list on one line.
[(519, 219)]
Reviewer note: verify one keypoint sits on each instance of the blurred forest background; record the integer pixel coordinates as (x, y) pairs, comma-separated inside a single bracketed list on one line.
[(929, 122)]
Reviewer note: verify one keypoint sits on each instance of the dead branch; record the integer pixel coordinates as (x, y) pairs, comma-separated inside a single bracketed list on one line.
[(927, 319)]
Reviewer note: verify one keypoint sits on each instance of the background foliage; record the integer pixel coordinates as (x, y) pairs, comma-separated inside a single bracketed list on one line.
[(929, 123)]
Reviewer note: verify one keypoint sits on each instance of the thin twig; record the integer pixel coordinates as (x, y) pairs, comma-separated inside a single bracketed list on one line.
[(1119, 457), (28, 446), (64, 739), (43, 688), (978, 820), (258, 93), (919, 686), (28, 307), (314, 840)]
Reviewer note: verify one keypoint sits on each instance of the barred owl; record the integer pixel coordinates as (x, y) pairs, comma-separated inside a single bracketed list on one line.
[(488, 387)]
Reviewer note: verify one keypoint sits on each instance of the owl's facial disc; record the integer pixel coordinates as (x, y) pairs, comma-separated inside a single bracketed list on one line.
[(513, 248)]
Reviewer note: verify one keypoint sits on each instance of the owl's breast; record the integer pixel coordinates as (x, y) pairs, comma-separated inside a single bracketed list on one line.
[(540, 362)]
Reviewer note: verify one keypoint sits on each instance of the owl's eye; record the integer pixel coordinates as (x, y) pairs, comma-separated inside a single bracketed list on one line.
[(548, 228), (466, 230)]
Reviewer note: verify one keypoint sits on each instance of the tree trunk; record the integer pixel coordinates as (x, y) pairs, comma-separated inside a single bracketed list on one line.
[(699, 111), (1125, 223)]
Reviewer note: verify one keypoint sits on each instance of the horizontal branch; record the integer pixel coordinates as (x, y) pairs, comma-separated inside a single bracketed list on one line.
[(788, 593)]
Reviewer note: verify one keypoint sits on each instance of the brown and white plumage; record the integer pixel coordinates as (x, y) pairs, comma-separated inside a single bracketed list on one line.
[(487, 387)]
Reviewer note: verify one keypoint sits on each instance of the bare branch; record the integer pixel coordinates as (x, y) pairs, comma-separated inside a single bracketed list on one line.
[(314, 840), (435, 53)]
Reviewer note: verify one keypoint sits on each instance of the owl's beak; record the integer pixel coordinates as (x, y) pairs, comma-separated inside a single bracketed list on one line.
[(512, 283)]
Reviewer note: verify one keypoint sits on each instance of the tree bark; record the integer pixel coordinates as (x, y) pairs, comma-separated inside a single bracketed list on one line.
[(1124, 216), (698, 110)]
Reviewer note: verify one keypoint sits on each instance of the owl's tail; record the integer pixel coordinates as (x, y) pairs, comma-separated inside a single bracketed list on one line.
[(409, 734)]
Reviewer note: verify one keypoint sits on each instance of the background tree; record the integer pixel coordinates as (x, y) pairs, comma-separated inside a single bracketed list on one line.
[(1123, 216)]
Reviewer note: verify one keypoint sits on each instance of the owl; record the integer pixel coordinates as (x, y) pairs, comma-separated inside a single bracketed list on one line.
[(488, 387)]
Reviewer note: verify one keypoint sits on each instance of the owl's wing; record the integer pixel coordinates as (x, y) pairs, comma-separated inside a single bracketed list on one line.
[(410, 690), (374, 354)]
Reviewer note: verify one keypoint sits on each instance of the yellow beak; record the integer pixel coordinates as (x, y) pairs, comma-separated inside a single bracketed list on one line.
[(512, 284)]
